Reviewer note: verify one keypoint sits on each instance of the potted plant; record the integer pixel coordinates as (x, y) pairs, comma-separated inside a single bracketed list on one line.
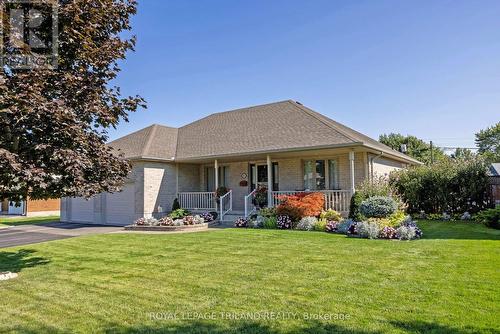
[(260, 198), (221, 191)]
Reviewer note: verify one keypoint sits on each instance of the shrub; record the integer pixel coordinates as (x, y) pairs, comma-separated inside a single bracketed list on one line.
[(179, 213), (176, 205), (396, 219), (267, 212), (356, 201), (241, 222), (178, 222), (331, 226), (466, 216), (207, 217), (452, 186), (166, 221), (258, 222), (330, 215), (284, 222), (490, 217), (293, 212), (405, 232), (307, 223), (344, 226), (301, 205), (387, 232), (270, 223), (368, 230), (376, 186), (410, 223), (320, 225), (199, 219), (378, 207)]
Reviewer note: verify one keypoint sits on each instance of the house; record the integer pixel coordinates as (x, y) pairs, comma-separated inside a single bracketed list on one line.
[(282, 146), (494, 177), (31, 208)]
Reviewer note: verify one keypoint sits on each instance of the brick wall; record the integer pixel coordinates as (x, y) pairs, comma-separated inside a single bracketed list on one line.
[(43, 205)]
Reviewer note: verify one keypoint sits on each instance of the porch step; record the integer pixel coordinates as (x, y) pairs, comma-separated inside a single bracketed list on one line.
[(231, 216)]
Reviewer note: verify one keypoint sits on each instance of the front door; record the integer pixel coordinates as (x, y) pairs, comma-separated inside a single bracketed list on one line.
[(258, 176)]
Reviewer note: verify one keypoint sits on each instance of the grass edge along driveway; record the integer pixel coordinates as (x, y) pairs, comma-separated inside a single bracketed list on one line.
[(215, 282)]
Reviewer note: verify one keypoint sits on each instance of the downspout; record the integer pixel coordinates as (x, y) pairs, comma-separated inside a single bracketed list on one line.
[(372, 159)]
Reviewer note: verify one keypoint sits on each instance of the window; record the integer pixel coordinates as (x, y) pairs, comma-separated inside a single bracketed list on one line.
[(333, 175), (318, 174), (314, 174), (210, 177)]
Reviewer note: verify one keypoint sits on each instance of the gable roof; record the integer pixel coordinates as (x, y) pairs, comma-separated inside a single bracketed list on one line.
[(494, 169), (278, 126), (154, 142)]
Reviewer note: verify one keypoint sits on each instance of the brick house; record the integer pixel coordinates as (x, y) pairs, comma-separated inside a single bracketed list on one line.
[(283, 146), (31, 208)]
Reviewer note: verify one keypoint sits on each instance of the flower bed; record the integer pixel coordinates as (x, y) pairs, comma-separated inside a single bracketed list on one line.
[(177, 220), (381, 220)]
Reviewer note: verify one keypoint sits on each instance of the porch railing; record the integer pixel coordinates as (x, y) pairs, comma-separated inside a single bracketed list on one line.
[(197, 200), (225, 204), (249, 206), (338, 200)]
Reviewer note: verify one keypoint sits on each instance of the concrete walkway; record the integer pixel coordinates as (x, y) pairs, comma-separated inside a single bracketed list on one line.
[(30, 234)]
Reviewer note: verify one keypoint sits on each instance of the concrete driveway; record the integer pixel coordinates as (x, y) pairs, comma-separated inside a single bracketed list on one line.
[(30, 234)]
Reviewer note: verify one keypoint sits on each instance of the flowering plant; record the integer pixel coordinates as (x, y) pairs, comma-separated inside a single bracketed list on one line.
[(388, 232), (207, 216), (307, 223), (241, 222), (166, 221), (331, 226), (140, 221), (188, 220), (198, 219), (284, 222)]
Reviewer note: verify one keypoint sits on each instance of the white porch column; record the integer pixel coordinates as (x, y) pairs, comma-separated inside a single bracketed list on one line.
[(216, 169), (351, 167), (269, 182)]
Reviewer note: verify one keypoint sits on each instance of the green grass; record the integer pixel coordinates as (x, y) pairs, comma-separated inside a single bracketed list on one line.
[(14, 221), (447, 282)]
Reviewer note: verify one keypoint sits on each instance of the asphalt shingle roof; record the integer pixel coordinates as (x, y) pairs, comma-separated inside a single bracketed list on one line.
[(278, 126)]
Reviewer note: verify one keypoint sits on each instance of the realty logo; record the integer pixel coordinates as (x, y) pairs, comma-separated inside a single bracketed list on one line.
[(28, 31)]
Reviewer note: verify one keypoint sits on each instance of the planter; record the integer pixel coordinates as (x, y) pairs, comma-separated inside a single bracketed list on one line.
[(197, 227)]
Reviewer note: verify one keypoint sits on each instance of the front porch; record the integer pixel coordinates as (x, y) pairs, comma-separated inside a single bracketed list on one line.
[(334, 173)]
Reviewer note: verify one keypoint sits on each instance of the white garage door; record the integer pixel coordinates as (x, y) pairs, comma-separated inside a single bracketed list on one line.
[(82, 210), (120, 207)]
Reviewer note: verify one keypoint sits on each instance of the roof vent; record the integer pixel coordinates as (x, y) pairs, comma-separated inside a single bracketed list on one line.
[(298, 103)]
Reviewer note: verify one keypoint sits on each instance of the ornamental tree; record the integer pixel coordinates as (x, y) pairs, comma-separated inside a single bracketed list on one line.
[(488, 142), (54, 122)]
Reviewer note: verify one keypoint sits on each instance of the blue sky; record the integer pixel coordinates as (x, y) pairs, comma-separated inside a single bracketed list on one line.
[(428, 68)]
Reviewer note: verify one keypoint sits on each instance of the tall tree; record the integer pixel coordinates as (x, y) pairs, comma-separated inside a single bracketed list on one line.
[(54, 122), (415, 147), (488, 142)]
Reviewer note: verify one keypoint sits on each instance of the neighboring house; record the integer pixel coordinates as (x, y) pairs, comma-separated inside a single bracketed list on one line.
[(494, 174), (283, 146), (31, 208)]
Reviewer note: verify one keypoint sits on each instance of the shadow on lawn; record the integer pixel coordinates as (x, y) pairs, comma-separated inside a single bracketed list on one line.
[(411, 327), (309, 328), (17, 261), (457, 231)]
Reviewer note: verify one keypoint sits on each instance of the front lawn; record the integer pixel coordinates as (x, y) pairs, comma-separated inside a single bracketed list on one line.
[(447, 282), (14, 221)]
